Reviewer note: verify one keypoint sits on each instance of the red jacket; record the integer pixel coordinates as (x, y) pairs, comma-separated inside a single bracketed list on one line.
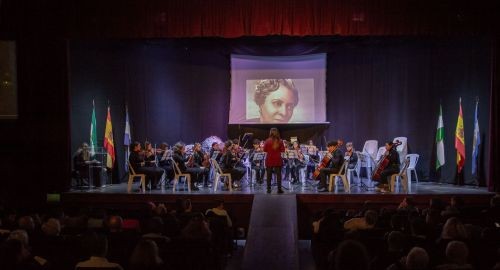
[(273, 157)]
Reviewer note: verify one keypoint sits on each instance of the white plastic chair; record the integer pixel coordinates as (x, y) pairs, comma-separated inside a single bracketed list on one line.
[(371, 147), (178, 174), (342, 174), (402, 149), (365, 161), (381, 151), (219, 174), (401, 177), (412, 166), (356, 169)]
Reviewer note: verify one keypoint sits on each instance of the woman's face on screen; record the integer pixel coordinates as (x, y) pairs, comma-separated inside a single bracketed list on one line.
[(278, 106)]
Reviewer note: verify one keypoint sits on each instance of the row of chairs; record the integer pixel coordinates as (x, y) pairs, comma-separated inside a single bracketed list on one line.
[(345, 174)]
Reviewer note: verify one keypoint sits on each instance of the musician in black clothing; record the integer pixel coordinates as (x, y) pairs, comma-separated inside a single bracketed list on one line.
[(391, 168), (149, 155), (201, 162), (230, 162), (257, 165), (138, 163), (163, 155), (215, 148), (82, 161), (333, 166), (180, 159), (350, 155)]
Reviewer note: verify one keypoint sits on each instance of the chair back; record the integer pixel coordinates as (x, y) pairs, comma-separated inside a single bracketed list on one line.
[(176, 167), (216, 166), (131, 169), (357, 168), (413, 159), (381, 151), (371, 147)]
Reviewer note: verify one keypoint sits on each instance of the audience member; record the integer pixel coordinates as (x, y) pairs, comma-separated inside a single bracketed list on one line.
[(365, 223), (97, 247), (145, 256)]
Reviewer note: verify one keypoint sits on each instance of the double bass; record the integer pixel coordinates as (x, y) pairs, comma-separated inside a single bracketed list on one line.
[(326, 159), (383, 162)]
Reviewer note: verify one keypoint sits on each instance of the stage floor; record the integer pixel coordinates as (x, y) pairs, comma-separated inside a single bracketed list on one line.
[(421, 188)]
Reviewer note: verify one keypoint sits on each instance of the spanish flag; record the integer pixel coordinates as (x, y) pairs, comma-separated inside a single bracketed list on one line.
[(108, 142), (460, 139)]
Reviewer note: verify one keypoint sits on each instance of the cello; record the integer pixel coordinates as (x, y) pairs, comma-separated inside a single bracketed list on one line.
[(326, 159), (383, 162)]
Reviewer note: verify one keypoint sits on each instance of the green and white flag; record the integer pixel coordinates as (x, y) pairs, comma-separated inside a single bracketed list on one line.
[(439, 140), (93, 132)]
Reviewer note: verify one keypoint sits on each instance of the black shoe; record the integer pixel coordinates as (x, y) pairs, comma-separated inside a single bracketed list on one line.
[(268, 191), (280, 191), (194, 188), (322, 189)]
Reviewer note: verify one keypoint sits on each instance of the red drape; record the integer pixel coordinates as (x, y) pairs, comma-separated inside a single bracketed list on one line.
[(234, 18)]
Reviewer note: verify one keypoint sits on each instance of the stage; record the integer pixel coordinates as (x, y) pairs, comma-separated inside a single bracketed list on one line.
[(239, 202)]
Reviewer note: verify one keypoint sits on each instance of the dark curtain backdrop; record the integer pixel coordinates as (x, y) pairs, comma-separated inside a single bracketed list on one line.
[(377, 88)]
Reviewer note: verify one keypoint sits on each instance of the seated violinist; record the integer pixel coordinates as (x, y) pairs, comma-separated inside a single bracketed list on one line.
[(298, 163), (149, 155), (180, 159), (332, 166), (257, 165), (350, 155), (137, 160), (230, 162), (200, 161), (215, 148), (312, 151), (163, 154)]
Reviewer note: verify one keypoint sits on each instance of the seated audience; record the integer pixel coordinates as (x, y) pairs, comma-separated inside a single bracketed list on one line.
[(97, 247), (365, 223)]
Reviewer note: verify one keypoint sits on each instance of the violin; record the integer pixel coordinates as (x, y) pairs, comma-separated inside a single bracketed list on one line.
[(326, 159), (383, 162)]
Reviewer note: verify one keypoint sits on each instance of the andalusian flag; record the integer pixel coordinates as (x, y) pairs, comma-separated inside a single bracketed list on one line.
[(460, 140), (93, 132), (476, 141), (439, 140), (108, 141)]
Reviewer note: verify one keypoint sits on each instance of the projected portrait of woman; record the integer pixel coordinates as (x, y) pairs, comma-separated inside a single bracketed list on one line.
[(276, 99)]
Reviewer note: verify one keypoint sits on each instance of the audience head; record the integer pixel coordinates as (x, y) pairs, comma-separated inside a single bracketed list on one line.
[(12, 252), (115, 223), (52, 227), (417, 259), (20, 235), (26, 223), (457, 252), (454, 229), (219, 203), (96, 245), (350, 255), (371, 217), (495, 201), (197, 229), (396, 241), (145, 255), (187, 206)]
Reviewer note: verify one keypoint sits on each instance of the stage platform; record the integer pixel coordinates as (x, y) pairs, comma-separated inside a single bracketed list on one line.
[(239, 202)]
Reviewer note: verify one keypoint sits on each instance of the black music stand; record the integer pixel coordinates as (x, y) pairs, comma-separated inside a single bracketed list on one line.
[(257, 157)]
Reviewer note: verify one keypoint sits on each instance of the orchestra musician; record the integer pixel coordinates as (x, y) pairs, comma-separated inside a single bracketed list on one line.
[(298, 163), (82, 161), (164, 161), (215, 148), (149, 155), (392, 168), (288, 164), (274, 147), (230, 162), (137, 160), (257, 165), (350, 155), (333, 165), (199, 161), (312, 151), (180, 159)]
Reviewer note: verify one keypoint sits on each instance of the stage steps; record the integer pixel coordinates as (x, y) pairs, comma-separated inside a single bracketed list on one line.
[(272, 240)]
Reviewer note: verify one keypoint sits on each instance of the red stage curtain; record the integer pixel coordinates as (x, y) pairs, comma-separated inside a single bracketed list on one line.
[(235, 18)]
